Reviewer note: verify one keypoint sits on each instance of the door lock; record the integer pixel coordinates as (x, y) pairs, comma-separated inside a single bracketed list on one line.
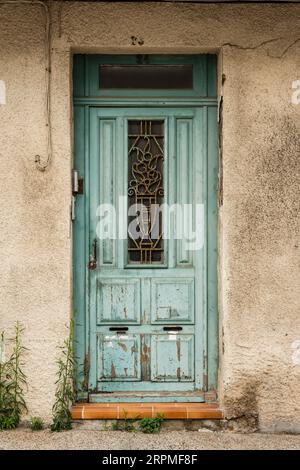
[(93, 257)]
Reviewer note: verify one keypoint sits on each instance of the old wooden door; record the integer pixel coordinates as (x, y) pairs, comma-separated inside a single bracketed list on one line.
[(149, 172)]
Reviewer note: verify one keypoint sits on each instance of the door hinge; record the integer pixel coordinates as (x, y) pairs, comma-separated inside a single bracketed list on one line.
[(77, 188), (77, 183)]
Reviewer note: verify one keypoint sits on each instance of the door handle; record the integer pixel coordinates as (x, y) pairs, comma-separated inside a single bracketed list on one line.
[(93, 256)]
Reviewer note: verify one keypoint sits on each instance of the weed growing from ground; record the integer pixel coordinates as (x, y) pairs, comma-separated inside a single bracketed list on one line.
[(65, 389), (12, 382), (151, 425), (36, 423)]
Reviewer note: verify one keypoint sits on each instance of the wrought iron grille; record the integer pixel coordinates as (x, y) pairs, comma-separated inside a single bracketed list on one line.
[(145, 191)]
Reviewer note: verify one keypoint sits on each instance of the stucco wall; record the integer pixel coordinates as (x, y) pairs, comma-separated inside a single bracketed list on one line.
[(259, 218)]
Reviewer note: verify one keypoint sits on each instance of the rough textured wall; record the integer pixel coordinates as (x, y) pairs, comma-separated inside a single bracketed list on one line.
[(259, 52), (261, 234)]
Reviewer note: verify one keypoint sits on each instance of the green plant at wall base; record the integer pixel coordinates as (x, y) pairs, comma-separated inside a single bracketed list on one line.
[(65, 389), (8, 422), (12, 382), (116, 426), (125, 424), (18, 381), (5, 386), (151, 425), (36, 423)]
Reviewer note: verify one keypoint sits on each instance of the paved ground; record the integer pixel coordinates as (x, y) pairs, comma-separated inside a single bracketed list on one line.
[(166, 440)]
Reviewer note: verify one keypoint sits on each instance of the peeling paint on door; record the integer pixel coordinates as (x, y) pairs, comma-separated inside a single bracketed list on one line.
[(148, 321)]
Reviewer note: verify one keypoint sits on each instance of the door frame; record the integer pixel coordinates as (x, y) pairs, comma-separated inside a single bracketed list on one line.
[(84, 97)]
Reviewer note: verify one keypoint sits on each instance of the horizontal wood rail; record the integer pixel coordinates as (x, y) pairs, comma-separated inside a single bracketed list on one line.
[(146, 410)]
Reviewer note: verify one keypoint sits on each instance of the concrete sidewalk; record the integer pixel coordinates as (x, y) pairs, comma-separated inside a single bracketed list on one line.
[(166, 440)]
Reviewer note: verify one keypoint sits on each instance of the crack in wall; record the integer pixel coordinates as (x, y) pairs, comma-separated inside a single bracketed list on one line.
[(263, 43)]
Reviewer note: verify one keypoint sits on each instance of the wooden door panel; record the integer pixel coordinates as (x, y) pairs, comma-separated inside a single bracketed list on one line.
[(172, 300), (107, 129), (172, 358), (119, 357), (118, 301)]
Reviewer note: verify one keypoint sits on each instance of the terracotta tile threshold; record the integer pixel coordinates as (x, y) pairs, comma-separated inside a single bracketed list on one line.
[(146, 410)]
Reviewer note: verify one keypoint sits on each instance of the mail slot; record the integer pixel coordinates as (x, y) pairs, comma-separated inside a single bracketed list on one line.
[(118, 328), (172, 328)]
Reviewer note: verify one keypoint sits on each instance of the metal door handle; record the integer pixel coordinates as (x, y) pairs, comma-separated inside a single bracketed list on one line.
[(93, 257)]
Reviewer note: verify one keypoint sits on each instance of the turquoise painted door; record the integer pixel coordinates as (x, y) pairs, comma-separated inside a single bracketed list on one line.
[(147, 318), (145, 243)]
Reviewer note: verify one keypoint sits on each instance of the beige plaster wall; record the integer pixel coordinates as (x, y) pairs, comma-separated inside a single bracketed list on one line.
[(259, 54)]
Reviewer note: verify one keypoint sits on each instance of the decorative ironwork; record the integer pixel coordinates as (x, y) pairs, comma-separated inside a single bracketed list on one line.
[(145, 191)]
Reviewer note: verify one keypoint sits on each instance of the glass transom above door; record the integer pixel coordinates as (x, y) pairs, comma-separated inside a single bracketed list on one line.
[(140, 76)]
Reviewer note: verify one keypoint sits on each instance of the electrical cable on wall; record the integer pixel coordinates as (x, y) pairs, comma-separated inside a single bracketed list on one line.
[(42, 166)]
